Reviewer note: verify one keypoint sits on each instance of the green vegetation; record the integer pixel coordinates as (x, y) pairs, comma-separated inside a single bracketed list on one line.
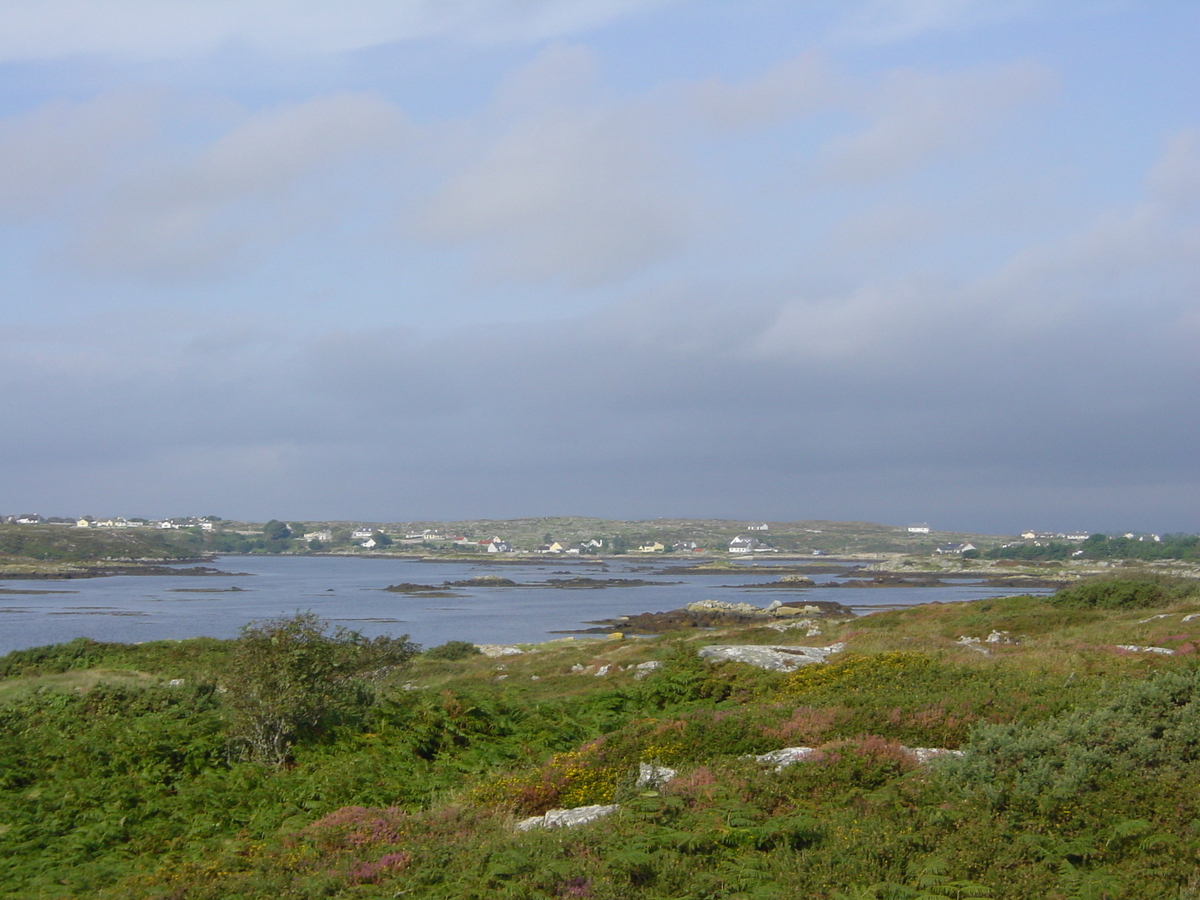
[(288, 679), (66, 544), (1125, 593), (1100, 546), (123, 771)]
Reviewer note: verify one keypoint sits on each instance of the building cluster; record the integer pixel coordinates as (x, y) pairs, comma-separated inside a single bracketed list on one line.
[(205, 524)]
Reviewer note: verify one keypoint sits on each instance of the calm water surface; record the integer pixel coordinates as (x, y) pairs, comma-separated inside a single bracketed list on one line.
[(349, 592)]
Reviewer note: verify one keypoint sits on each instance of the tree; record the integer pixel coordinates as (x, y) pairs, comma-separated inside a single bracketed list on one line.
[(276, 530), (289, 677), (381, 539)]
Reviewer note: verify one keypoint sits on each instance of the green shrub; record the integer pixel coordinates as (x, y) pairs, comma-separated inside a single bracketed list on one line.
[(1146, 730), (1124, 593), (453, 650)]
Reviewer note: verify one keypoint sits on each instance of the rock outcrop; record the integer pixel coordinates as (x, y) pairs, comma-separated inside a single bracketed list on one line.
[(781, 759), (567, 818), (776, 658)]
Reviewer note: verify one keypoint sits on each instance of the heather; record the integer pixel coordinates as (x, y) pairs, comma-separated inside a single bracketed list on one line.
[(127, 771)]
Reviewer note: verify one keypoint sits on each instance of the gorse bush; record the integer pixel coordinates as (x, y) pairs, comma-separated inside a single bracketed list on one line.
[(1145, 729), (1119, 593)]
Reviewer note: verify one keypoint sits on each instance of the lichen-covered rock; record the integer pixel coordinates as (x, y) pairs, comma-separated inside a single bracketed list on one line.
[(641, 670), (650, 776), (797, 579), (781, 759), (495, 650), (775, 658), (567, 818), (1133, 648), (741, 609), (925, 755)]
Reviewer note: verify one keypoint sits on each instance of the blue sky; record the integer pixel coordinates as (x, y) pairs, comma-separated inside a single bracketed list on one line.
[(890, 260)]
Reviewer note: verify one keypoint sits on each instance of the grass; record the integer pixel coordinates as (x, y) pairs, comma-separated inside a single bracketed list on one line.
[(76, 682), (1080, 769)]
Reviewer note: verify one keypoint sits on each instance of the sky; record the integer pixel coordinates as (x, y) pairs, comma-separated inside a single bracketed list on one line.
[(884, 260)]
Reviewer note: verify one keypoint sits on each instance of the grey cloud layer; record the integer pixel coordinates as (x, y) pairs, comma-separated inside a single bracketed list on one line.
[(806, 291)]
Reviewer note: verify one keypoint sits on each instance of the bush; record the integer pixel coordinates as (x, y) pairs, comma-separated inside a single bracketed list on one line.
[(453, 650), (1122, 593), (287, 675)]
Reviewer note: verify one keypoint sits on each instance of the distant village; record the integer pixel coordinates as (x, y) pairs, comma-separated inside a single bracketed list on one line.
[(752, 540), (370, 537)]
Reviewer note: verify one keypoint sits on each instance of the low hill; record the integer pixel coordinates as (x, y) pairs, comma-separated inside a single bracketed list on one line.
[(32, 545)]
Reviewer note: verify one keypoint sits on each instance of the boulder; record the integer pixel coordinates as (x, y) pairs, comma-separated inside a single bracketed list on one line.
[(641, 670), (781, 759), (775, 658), (650, 776), (1133, 648), (495, 650), (741, 609), (567, 818), (797, 579)]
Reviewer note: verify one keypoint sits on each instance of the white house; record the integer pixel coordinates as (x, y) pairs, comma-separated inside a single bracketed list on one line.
[(956, 549), (742, 545), (920, 528)]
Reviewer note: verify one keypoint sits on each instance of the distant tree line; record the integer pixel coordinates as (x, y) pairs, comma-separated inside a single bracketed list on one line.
[(1102, 546)]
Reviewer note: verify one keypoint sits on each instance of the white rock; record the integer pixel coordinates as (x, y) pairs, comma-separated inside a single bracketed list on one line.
[(777, 658), (495, 650), (1160, 616), (928, 754), (603, 670), (744, 609), (566, 818), (1189, 618), (641, 670), (972, 643), (781, 759), (650, 776), (810, 624), (1133, 648)]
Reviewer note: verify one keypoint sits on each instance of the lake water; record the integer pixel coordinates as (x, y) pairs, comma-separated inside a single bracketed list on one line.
[(349, 592)]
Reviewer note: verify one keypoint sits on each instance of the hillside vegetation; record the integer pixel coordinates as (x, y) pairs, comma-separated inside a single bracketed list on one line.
[(125, 770), (34, 544)]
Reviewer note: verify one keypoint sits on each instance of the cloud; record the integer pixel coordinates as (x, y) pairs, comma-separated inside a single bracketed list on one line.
[(240, 192), (561, 188), (150, 29), (888, 21), (61, 148), (793, 88), (920, 117)]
